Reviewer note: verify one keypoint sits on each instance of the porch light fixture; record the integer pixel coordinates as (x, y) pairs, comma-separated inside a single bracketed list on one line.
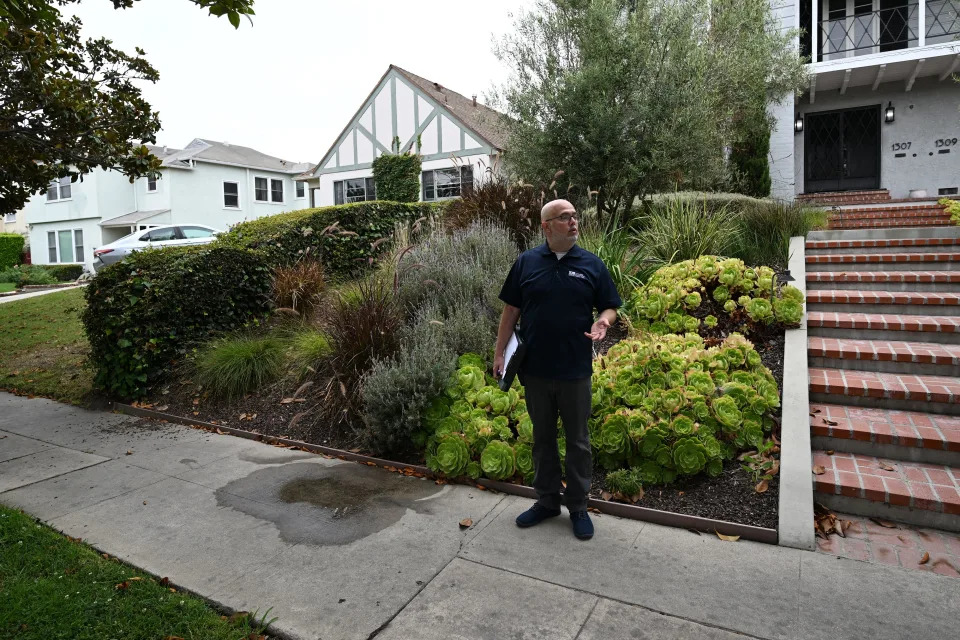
[(888, 113), (798, 124)]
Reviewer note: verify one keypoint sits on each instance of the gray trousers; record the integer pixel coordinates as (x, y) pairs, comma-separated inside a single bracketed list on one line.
[(571, 400)]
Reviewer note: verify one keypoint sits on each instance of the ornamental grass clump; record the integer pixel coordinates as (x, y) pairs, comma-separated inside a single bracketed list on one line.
[(673, 299), (670, 406)]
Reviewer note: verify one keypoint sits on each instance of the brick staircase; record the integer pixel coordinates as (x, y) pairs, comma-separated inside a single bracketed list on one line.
[(883, 318)]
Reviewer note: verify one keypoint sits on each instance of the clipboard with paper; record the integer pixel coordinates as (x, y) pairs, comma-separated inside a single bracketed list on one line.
[(512, 358)]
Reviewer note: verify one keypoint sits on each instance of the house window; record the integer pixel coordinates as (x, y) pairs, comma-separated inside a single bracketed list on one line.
[(260, 189), (59, 190), (65, 246), (10, 218), (440, 184), (231, 195), (301, 190), (268, 190), (151, 184), (354, 190)]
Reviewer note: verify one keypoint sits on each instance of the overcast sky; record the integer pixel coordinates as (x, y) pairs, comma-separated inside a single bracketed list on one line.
[(289, 84)]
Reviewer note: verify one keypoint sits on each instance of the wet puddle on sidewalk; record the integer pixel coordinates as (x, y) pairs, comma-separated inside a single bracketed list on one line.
[(327, 505)]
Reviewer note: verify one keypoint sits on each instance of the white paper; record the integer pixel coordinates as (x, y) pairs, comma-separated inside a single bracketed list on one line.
[(512, 345)]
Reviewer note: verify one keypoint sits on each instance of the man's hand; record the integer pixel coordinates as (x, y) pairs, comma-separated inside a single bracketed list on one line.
[(599, 330), (498, 367)]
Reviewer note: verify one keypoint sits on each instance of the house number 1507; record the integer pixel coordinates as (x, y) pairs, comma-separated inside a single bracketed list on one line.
[(901, 146)]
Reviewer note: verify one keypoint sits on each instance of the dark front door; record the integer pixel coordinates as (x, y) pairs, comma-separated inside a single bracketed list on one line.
[(842, 150)]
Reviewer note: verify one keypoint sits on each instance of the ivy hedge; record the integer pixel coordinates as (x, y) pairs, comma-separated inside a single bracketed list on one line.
[(144, 313), (344, 237), (397, 177), (11, 248)]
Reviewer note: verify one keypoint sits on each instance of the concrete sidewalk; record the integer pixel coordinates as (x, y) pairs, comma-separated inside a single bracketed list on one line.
[(33, 294), (341, 550)]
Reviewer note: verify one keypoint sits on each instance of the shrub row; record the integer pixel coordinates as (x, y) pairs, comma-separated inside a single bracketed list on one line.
[(27, 274), (346, 238), (145, 312)]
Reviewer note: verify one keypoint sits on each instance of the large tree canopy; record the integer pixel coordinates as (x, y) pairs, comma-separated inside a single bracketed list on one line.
[(628, 97), (69, 105)]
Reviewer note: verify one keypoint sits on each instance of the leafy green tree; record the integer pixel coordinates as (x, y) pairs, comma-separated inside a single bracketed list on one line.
[(69, 105), (630, 97)]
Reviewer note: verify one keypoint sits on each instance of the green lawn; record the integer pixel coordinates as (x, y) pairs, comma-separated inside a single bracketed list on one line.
[(55, 587), (43, 347), (7, 286)]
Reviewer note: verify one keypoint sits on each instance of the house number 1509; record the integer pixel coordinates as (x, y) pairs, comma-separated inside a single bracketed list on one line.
[(901, 146)]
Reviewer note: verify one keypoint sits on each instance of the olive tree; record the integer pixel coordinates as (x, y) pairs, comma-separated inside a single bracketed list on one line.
[(630, 97)]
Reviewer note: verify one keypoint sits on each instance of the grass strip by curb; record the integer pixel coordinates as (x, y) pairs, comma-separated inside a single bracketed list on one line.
[(53, 586)]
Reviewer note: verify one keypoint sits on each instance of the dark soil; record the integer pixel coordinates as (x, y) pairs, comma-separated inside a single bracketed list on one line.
[(730, 496)]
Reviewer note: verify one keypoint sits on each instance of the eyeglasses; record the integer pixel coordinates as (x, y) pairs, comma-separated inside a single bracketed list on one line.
[(567, 217)]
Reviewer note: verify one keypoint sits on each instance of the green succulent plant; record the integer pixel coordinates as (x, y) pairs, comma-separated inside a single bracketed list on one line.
[(497, 460)]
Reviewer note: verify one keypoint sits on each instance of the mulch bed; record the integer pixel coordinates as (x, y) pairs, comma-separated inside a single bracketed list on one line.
[(730, 496)]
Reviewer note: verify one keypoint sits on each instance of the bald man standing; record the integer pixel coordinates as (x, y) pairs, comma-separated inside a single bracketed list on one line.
[(554, 289)]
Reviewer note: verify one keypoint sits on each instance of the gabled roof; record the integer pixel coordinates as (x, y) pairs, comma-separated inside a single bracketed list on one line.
[(486, 122), (222, 152)]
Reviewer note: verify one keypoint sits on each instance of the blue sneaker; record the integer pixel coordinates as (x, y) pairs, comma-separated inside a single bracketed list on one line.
[(535, 515), (582, 526)]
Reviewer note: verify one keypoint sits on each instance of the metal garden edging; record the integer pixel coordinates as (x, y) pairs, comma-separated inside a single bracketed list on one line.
[(667, 518), (795, 510)]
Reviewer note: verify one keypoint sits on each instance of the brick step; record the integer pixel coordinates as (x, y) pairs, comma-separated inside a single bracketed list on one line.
[(925, 261), (884, 326), (899, 435), (885, 234), (891, 212), (887, 356), (929, 281), (880, 223), (918, 493), (831, 197), (892, 245), (902, 302), (937, 394)]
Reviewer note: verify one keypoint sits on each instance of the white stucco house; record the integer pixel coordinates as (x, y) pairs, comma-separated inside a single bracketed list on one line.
[(14, 223), (456, 137), (882, 108), (210, 183)]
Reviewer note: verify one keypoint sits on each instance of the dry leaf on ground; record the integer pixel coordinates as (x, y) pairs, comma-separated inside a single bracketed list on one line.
[(606, 495), (886, 467), (819, 470), (466, 523), (884, 523), (925, 559), (727, 538), (762, 486)]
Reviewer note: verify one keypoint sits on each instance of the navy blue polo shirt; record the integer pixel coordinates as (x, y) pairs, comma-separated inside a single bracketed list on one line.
[(557, 299)]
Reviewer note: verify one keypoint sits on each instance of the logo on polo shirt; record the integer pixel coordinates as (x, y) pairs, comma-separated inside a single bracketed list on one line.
[(576, 274)]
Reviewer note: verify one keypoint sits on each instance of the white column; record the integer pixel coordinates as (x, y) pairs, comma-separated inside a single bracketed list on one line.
[(922, 23), (814, 29)]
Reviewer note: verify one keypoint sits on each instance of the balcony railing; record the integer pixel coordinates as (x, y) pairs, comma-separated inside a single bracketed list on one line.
[(855, 28)]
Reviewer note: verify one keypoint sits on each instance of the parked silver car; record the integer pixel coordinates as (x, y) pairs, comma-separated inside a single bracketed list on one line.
[(171, 235)]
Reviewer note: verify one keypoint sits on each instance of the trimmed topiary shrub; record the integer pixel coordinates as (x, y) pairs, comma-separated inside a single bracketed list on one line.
[(143, 314), (397, 177), (346, 238), (11, 248)]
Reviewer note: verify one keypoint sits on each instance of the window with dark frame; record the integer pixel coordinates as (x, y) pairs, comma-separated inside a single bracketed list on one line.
[(354, 190), (442, 184), (276, 190), (51, 247), (78, 244), (260, 190), (301, 189), (231, 195), (151, 184)]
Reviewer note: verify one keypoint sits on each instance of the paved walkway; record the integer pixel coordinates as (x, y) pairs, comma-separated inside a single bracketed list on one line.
[(34, 294), (341, 550)]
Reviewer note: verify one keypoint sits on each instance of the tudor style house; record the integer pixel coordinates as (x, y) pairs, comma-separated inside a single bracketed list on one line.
[(457, 138), (209, 183), (882, 108)]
